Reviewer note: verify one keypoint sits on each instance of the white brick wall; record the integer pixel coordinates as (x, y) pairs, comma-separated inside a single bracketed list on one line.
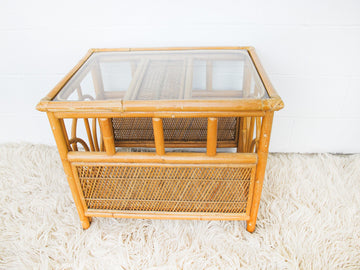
[(310, 49)]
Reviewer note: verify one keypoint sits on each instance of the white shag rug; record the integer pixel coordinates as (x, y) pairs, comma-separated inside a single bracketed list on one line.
[(309, 218)]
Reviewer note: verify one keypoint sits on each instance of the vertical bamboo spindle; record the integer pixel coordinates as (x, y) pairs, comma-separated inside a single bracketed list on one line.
[(73, 133), (250, 134), (262, 152), (211, 136), (59, 136), (107, 135), (242, 135), (88, 132), (62, 122), (159, 136), (94, 133)]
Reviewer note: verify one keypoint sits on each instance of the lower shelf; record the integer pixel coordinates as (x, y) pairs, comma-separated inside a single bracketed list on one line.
[(184, 190)]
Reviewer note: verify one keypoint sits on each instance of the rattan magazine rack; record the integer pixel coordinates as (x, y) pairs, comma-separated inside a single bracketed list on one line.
[(174, 133)]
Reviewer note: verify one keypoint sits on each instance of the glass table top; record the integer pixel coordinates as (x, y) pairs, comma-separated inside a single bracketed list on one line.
[(165, 75)]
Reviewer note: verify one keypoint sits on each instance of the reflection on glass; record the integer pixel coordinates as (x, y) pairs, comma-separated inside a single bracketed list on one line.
[(165, 75)]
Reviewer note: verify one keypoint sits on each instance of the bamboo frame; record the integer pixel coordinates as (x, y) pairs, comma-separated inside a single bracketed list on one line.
[(159, 136), (168, 158), (252, 131), (262, 153), (62, 146), (165, 215), (211, 136), (88, 132), (107, 135), (273, 103)]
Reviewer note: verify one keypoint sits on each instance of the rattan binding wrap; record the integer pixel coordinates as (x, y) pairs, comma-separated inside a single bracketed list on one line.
[(176, 188)]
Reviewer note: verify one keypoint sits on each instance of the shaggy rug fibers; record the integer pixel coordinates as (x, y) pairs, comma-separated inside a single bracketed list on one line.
[(309, 218)]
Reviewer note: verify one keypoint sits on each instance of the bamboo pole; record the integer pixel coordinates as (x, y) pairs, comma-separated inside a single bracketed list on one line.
[(107, 135), (158, 114), (258, 130), (88, 132), (243, 135), (159, 136), (220, 104), (58, 132), (250, 133), (73, 133), (166, 215), (141, 158), (211, 136), (62, 122), (94, 133), (262, 152)]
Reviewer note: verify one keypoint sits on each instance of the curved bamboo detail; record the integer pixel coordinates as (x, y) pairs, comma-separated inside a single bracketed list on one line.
[(89, 97), (254, 144), (73, 141)]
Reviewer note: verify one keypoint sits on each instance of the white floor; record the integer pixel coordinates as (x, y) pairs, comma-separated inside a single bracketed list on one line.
[(309, 218)]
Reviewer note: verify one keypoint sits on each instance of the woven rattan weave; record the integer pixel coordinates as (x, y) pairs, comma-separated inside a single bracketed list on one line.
[(182, 105), (219, 189), (176, 130)]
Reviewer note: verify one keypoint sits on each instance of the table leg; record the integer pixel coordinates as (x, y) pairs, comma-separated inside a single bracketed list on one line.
[(262, 152), (59, 134)]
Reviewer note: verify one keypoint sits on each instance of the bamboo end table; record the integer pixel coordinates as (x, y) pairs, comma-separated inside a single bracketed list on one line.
[(184, 105)]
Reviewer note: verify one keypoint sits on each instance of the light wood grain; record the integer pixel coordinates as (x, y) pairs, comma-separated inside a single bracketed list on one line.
[(107, 135), (159, 136), (262, 153), (58, 132), (211, 136)]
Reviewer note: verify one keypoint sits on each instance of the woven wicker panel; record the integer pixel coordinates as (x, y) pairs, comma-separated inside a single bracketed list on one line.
[(163, 80), (172, 188), (175, 129)]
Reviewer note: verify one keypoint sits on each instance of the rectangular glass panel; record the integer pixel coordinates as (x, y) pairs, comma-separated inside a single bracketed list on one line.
[(165, 75)]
